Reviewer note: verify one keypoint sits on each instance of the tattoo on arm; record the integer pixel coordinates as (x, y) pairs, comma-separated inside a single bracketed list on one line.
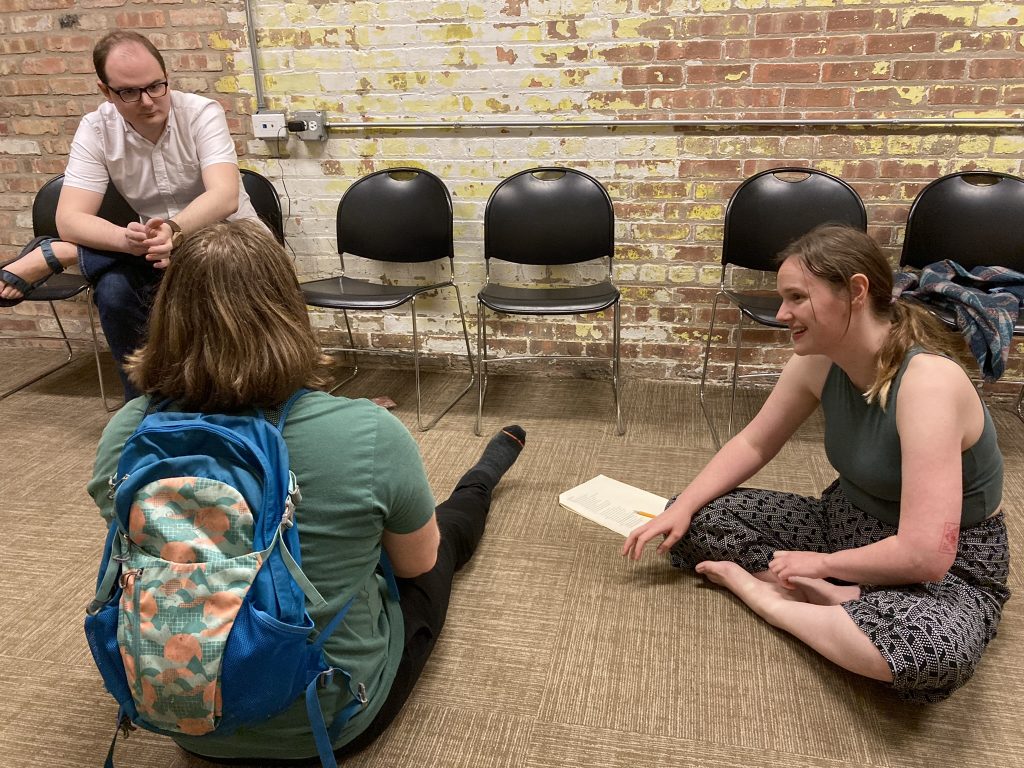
[(950, 537)]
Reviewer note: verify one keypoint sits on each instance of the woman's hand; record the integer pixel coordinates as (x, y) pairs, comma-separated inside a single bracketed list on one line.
[(672, 524), (785, 565)]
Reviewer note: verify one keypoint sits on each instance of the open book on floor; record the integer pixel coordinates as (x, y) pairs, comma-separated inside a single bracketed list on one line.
[(613, 504)]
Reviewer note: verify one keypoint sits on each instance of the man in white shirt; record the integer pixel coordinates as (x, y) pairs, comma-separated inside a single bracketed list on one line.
[(171, 157)]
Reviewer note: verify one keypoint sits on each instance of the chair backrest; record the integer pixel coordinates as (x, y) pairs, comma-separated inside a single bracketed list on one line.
[(398, 214), (114, 208), (773, 208), (549, 215), (265, 200), (975, 218)]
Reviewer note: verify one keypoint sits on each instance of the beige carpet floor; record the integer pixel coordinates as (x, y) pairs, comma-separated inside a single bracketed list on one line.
[(557, 652)]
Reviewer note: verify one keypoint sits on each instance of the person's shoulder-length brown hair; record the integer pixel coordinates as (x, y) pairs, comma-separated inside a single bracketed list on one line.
[(228, 329)]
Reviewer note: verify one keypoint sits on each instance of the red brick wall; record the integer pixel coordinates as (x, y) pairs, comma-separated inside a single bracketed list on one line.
[(623, 59)]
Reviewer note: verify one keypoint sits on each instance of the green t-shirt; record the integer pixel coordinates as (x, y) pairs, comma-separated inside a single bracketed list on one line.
[(360, 472)]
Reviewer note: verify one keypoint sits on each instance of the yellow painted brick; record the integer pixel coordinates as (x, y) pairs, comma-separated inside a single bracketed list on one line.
[(363, 13), (589, 331), (447, 33), (365, 61), (539, 104), (458, 56), (956, 47), (226, 85), (904, 145), (291, 82), (707, 233), (993, 164), (218, 43), (881, 68), (538, 81), (539, 149), (913, 94), (654, 273), (580, 8), (496, 106), (551, 54), (974, 145), (528, 34), (999, 15), (751, 5), (319, 61), (573, 77), (820, 3), (705, 191), (629, 28), (706, 213), (476, 12), (956, 15), (701, 146), (298, 13), (980, 113), (682, 274), (784, 3), (714, 6), (835, 167), (1008, 145), (450, 10)]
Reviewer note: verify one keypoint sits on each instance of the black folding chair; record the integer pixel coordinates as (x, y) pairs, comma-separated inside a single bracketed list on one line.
[(265, 200), (396, 216), (66, 286), (548, 217), (974, 218), (766, 213)]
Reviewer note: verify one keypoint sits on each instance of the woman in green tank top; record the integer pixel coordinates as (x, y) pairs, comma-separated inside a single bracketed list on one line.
[(898, 571)]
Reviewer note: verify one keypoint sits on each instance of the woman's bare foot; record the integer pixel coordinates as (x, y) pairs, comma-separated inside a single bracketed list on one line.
[(821, 592), (759, 595), (32, 267)]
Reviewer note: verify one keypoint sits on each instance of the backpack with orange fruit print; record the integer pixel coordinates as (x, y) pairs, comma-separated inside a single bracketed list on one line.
[(200, 622)]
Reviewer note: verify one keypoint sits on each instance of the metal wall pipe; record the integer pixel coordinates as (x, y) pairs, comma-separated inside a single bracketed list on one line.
[(904, 122)]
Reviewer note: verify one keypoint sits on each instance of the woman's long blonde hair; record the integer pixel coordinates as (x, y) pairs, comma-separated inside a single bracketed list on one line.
[(228, 329), (836, 253)]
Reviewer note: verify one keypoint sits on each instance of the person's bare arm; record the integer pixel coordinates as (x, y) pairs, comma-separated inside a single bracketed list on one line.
[(937, 412), (794, 398), (78, 222), (413, 554), (219, 201)]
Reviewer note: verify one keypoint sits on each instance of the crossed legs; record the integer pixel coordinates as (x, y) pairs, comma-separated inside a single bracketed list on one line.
[(811, 613)]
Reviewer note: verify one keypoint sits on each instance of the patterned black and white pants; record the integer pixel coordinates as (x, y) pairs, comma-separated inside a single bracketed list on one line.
[(931, 635)]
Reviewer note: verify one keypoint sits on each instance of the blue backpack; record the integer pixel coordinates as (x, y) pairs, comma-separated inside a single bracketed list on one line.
[(199, 624)]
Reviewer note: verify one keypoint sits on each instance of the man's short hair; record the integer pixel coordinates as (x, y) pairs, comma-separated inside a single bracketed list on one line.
[(113, 39)]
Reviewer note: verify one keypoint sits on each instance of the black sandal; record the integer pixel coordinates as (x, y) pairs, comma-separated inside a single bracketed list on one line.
[(23, 285)]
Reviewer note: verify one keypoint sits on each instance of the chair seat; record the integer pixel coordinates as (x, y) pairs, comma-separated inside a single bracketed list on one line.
[(573, 300), (352, 293), (761, 306), (59, 287)]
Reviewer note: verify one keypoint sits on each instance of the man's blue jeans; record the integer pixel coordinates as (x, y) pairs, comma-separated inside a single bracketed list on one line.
[(124, 286)]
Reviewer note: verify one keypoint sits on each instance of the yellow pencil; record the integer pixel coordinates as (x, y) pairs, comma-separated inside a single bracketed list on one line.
[(644, 514)]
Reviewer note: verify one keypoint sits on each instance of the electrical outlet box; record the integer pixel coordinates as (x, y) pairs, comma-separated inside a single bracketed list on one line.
[(316, 126), (269, 125)]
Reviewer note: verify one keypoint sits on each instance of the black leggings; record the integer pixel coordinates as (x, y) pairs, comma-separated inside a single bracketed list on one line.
[(424, 602)]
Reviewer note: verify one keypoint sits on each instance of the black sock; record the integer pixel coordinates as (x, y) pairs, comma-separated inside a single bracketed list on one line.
[(500, 454)]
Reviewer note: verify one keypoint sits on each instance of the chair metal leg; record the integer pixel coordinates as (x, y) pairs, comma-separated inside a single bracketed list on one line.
[(52, 369), (704, 373), (481, 361), (351, 351), (620, 428), (469, 358), (96, 354), (735, 375)]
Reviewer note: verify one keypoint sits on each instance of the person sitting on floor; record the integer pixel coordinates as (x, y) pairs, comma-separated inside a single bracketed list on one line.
[(229, 333), (171, 157), (898, 572)]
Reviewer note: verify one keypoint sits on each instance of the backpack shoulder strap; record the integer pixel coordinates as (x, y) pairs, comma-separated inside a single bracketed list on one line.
[(279, 414)]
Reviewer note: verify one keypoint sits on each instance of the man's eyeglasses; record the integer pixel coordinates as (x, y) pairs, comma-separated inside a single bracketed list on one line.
[(129, 95)]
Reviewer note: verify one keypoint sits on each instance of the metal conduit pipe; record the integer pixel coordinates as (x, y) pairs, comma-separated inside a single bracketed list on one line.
[(906, 122), (250, 28)]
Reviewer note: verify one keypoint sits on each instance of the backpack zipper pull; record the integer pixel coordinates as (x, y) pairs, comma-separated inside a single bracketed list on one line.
[(128, 577), (126, 726), (294, 497), (112, 483)]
